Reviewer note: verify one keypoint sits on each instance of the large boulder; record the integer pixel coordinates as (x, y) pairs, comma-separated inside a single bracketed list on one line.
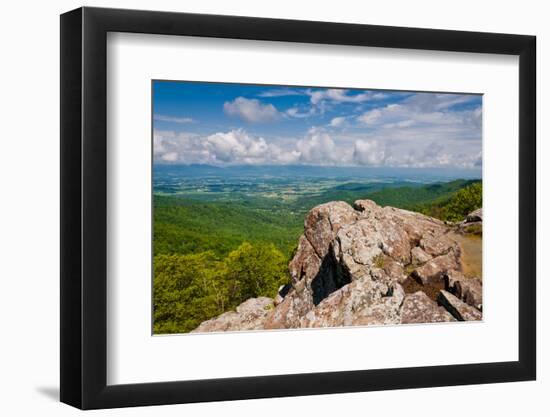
[(434, 270), (323, 222)]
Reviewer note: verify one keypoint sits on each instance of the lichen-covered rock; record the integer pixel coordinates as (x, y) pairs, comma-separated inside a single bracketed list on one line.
[(436, 245), (288, 313), (394, 269), (459, 309), (323, 222), (472, 224), (475, 216), (419, 308), (249, 315), (434, 270), (305, 264), (418, 256), (361, 303)]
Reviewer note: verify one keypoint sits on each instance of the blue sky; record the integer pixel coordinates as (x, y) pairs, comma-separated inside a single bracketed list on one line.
[(236, 124)]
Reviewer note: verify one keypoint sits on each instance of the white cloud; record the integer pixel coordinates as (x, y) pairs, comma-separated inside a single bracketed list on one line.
[(239, 147), (370, 116), (399, 125), (172, 119), (251, 110), (370, 153), (416, 132), (169, 157), (338, 122), (339, 95), (424, 119), (317, 148), (296, 113), (281, 92), (424, 109), (232, 147)]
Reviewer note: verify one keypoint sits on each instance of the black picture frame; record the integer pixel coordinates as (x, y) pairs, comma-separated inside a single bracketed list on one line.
[(84, 207)]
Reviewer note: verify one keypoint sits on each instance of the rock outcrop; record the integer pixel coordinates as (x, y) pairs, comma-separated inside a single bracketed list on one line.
[(469, 290), (419, 308), (460, 310), (367, 265), (472, 223), (250, 315)]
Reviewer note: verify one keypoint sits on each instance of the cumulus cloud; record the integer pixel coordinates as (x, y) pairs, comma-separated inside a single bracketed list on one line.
[(423, 108), (428, 118), (338, 121), (239, 147), (317, 148), (251, 110), (371, 116), (438, 131), (369, 153), (172, 119), (300, 114), (232, 147)]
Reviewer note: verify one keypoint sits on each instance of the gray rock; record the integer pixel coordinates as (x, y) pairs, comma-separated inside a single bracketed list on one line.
[(419, 308), (364, 302), (469, 290), (394, 269), (418, 256), (436, 245), (459, 309), (475, 216), (433, 271), (250, 315)]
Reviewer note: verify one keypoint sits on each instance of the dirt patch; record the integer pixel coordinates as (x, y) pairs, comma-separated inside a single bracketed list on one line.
[(472, 254)]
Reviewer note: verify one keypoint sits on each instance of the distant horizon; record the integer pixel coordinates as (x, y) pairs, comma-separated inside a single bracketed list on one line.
[(252, 167), (175, 164)]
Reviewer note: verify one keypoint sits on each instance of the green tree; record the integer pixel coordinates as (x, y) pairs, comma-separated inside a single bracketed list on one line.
[(254, 270), (186, 291), (189, 289), (464, 201), (457, 206)]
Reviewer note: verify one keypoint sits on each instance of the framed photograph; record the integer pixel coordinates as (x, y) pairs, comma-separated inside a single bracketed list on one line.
[(257, 208)]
